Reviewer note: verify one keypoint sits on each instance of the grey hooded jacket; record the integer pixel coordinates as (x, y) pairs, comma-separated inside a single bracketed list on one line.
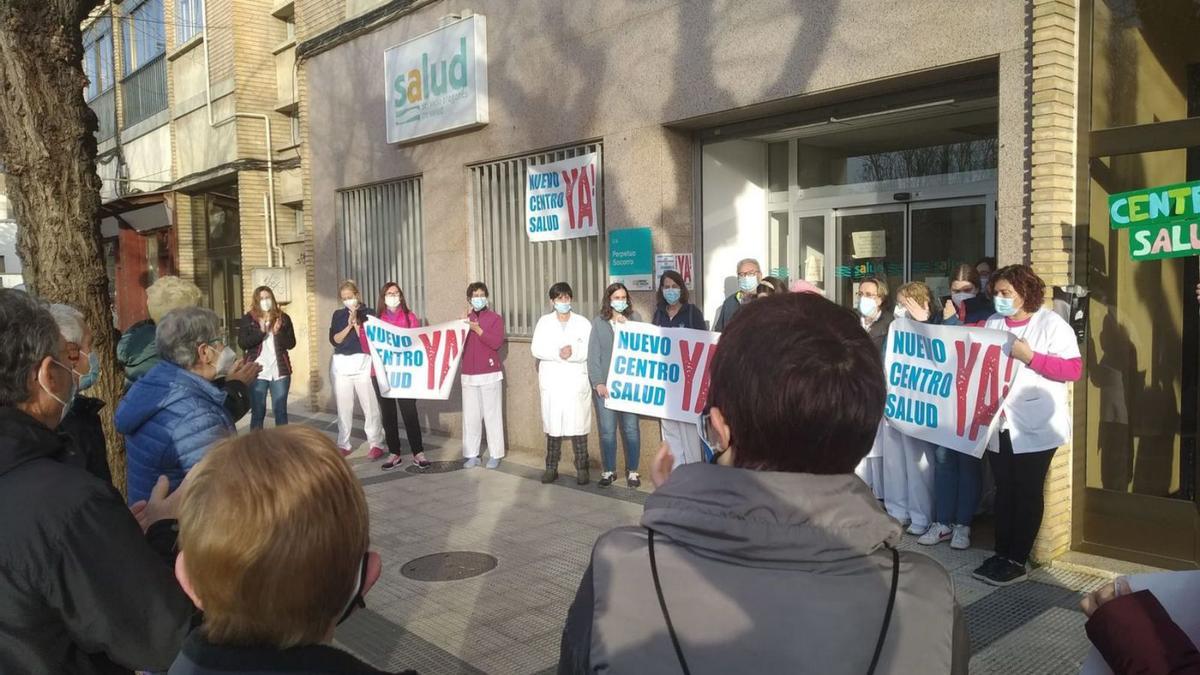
[(600, 348), (762, 572)]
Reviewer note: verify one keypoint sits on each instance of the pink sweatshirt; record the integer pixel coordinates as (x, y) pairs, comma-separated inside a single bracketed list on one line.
[(1050, 367)]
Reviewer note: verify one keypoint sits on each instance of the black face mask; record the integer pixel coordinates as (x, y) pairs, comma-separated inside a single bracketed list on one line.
[(357, 602)]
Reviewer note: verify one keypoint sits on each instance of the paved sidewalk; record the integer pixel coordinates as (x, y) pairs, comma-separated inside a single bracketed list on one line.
[(508, 621)]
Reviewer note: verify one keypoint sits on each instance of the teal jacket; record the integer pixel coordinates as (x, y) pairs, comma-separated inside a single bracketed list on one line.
[(136, 351)]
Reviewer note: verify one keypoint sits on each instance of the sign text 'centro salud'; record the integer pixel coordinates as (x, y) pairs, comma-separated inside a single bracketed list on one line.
[(1163, 222), (437, 82)]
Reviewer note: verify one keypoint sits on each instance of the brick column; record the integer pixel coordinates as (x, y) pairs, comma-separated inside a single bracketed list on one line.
[(1052, 208)]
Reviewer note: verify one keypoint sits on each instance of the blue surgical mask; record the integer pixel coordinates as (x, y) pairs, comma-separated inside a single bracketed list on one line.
[(562, 307), (748, 282), (671, 295), (1005, 306), (93, 372), (479, 303), (619, 306), (868, 306)]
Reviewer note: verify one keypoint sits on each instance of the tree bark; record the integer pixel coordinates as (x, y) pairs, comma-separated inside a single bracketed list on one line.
[(48, 145)]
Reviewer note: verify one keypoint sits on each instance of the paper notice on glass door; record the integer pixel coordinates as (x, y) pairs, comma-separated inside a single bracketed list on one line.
[(869, 244), (814, 265)]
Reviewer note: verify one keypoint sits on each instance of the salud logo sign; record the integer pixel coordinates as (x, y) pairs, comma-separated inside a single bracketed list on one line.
[(1163, 222), (437, 83)]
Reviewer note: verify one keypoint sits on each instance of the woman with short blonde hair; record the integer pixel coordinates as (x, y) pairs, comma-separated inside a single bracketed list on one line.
[(351, 370), (273, 535)]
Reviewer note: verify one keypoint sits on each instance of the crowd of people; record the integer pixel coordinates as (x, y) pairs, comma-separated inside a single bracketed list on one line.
[(245, 551)]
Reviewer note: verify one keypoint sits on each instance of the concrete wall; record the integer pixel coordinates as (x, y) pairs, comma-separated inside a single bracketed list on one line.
[(616, 71), (734, 198), (148, 160)]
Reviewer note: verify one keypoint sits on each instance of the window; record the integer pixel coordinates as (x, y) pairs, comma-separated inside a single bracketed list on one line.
[(144, 34), (380, 239), (519, 272), (98, 57), (299, 214), (189, 20)]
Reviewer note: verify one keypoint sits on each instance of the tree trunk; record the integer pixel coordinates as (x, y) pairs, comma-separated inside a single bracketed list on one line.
[(48, 145)]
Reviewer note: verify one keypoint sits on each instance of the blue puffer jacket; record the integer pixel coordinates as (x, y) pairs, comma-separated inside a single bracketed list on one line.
[(169, 418)]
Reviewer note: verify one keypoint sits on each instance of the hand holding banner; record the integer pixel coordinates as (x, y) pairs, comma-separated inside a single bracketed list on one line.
[(416, 362), (660, 372), (945, 384)]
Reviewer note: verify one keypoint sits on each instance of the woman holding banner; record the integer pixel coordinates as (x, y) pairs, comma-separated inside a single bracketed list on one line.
[(615, 311), (351, 370), (957, 476), (1035, 419), (560, 344), (907, 461), (675, 311), (394, 310)]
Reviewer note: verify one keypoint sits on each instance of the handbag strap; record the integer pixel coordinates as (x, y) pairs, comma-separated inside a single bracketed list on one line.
[(887, 615), (662, 604)]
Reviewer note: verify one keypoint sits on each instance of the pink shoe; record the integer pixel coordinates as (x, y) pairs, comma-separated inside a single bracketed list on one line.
[(376, 452), (345, 451)]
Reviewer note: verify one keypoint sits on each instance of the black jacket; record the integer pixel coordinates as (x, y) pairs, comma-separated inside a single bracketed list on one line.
[(251, 338), (201, 657), (88, 447), (81, 590)]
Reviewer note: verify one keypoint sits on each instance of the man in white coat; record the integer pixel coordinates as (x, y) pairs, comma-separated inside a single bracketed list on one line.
[(560, 344)]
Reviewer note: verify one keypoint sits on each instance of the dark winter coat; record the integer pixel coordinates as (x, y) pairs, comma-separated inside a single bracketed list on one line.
[(81, 590), (88, 447), (729, 308), (170, 418), (251, 338), (764, 572), (688, 316), (201, 657), (136, 351)]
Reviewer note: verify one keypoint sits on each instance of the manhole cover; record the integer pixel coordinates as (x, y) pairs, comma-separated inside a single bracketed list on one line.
[(435, 467), (448, 566)]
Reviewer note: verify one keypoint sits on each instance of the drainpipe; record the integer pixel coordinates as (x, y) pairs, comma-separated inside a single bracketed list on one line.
[(270, 196)]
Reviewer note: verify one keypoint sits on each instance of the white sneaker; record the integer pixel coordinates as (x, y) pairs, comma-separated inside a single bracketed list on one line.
[(962, 538), (917, 530), (936, 534)]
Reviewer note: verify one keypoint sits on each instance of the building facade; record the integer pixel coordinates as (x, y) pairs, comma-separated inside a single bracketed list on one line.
[(197, 140), (832, 141)]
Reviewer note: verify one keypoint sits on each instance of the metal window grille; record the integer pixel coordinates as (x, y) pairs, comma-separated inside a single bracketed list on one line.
[(519, 272), (381, 239), (144, 92)]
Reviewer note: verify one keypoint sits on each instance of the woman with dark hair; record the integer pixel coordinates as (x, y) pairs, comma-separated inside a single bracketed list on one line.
[(1035, 418), (615, 311), (676, 311), (483, 379), (958, 477), (393, 309), (764, 290), (266, 335), (560, 344), (777, 285), (777, 522)]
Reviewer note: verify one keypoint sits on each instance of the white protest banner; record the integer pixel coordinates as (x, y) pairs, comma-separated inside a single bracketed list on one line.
[(945, 384), (561, 199), (660, 372), (416, 362), (680, 262)]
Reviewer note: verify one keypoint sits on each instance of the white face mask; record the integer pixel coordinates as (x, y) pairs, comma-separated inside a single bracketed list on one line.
[(224, 362), (900, 312), (868, 306), (959, 298), (392, 301), (350, 303), (66, 405), (265, 304)]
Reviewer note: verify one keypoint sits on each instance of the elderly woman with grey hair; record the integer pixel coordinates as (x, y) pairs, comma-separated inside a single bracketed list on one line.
[(174, 413)]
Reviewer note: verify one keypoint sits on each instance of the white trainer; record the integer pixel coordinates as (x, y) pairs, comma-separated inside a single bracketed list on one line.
[(936, 534), (962, 538)]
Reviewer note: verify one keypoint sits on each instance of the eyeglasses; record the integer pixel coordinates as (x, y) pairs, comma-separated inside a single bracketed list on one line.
[(357, 602)]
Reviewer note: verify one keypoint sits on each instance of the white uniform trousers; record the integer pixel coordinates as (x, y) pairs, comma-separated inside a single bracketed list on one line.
[(908, 478), (345, 388), (683, 438), (483, 406)]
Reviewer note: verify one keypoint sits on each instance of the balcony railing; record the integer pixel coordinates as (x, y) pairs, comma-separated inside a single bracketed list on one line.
[(105, 107), (144, 91)]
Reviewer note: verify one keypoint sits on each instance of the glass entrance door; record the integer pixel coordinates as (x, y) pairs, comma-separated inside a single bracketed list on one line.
[(870, 243), (944, 234)]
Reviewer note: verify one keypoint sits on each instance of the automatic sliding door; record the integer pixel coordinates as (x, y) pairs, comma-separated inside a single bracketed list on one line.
[(870, 243), (944, 234)]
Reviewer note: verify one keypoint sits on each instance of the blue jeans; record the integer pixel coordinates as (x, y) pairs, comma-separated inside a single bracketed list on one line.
[(957, 481), (606, 421), (258, 401)]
